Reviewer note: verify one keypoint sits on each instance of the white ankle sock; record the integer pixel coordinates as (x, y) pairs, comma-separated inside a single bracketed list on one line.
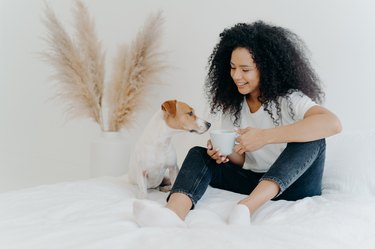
[(240, 215), (151, 214)]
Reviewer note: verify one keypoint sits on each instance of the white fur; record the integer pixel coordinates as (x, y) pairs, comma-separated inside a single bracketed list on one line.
[(153, 155)]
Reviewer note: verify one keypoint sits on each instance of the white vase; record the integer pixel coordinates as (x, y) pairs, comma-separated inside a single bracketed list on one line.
[(109, 155)]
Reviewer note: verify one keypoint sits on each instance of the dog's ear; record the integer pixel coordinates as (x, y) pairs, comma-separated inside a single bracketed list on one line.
[(169, 107)]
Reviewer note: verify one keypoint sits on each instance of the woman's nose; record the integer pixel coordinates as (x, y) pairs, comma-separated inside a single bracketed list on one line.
[(237, 74)]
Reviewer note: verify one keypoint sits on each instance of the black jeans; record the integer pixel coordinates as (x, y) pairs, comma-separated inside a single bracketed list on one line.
[(298, 171)]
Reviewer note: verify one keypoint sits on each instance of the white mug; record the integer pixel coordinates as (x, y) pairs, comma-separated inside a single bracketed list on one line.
[(223, 140)]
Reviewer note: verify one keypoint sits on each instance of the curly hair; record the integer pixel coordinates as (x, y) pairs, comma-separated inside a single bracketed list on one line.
[(280, 57)]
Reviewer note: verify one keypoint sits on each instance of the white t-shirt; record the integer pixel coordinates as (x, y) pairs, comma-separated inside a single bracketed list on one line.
[(262, 159)]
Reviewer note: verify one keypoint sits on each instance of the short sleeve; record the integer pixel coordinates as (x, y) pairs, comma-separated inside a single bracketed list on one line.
[(296, 105)]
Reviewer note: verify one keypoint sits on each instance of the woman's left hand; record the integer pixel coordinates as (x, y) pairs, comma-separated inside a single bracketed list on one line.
[(249, 139)]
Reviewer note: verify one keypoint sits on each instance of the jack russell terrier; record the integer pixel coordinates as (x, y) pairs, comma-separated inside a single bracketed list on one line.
[(154, 153)]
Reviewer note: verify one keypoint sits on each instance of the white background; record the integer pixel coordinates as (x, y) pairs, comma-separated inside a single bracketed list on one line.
[(38, 145)]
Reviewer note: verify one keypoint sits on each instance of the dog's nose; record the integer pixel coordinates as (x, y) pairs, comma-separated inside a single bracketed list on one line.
[(208, 125)]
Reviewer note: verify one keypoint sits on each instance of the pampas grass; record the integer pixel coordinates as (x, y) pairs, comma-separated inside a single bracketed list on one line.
[(73, 66), (133, 69), (80, 69)]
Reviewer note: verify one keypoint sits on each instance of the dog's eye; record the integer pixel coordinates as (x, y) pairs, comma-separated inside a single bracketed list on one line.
[(190, 113)]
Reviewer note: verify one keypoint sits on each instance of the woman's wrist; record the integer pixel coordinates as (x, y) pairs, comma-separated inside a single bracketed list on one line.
[(269, 135), (237, 158)]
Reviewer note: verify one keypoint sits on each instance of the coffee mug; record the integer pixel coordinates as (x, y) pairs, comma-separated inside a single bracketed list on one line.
[(223, 140)]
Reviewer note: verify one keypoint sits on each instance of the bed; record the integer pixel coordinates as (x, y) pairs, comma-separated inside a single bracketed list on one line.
[(97, 213)]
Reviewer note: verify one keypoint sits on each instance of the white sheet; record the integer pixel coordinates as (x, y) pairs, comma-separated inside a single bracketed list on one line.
[(97, 213)]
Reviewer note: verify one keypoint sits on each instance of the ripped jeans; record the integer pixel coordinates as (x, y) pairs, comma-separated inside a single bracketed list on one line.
[(298, 171)]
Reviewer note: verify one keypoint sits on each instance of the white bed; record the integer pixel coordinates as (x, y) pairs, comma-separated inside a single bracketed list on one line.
[(97, 213)]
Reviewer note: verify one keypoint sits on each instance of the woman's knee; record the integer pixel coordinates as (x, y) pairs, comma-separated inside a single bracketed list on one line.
[(196, 157), (320, 144), (312, 149), (197, 150)]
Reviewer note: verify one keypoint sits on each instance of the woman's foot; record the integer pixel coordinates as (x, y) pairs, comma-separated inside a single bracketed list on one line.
[(240, 215), (151, 214)]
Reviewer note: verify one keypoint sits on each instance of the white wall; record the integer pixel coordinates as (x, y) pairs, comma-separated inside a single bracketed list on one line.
[(39, 146)]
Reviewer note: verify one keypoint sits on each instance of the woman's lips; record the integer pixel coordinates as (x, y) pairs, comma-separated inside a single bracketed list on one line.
[(241, 84)]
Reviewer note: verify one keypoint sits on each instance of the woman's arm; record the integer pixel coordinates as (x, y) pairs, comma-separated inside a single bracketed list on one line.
[(237, 158), (318, 122)]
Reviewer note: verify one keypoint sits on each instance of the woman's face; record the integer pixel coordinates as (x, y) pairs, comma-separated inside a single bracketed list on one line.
[(244, 72)]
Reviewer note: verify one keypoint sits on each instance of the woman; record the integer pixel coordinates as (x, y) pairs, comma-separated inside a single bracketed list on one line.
[(263, 84)]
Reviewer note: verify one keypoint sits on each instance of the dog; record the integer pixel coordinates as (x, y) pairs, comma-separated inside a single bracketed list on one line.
[(154, 153)]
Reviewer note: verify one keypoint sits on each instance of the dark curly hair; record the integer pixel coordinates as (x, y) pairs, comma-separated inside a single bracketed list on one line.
[(280, 57)]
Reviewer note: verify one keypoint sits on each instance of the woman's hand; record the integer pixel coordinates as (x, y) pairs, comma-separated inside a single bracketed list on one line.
[(249, 139), (215, 154)]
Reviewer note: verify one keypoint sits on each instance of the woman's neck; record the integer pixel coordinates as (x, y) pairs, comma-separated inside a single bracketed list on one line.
[(253, 103)]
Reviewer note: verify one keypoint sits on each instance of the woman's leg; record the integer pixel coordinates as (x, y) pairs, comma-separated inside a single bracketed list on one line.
[(190, 185), (197, 172), (296, 174), (309, 183), (263, 192)]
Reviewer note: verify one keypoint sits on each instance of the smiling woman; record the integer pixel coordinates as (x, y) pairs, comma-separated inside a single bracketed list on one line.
[(65, 210), (35, 133), (271, 60), (262, 82), (245, 73)]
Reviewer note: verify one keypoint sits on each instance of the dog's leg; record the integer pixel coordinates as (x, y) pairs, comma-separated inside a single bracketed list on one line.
[(142, 183), (165, 182), (165, 185), (173, 172)]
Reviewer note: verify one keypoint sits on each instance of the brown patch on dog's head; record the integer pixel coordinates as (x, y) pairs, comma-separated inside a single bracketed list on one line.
[(179, 115), (169, 107)]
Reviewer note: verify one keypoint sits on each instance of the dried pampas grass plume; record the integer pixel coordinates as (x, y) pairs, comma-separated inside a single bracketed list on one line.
[(92, 53), (135, 69), (79, 68)]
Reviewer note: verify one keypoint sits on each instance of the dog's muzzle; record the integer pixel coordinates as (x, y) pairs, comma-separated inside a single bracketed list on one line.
[(207, 126)]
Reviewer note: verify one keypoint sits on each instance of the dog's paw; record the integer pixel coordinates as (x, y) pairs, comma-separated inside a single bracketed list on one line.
[(165, 182), (165, 188)]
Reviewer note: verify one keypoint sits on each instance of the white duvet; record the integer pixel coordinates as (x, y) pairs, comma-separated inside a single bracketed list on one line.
[(97, 213)]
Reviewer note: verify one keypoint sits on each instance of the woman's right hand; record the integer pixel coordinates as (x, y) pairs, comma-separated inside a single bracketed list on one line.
[(215, 154)]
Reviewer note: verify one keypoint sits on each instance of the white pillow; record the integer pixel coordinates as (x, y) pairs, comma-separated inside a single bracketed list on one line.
[(350, 163)]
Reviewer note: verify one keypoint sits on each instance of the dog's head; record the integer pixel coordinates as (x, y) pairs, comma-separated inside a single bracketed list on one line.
[(179, 115)]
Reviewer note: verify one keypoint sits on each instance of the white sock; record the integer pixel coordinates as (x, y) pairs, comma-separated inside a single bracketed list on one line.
[(240, 215), (152, 214)]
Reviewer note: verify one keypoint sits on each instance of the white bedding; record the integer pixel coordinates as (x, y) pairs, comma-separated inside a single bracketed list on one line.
[(97, 213)]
